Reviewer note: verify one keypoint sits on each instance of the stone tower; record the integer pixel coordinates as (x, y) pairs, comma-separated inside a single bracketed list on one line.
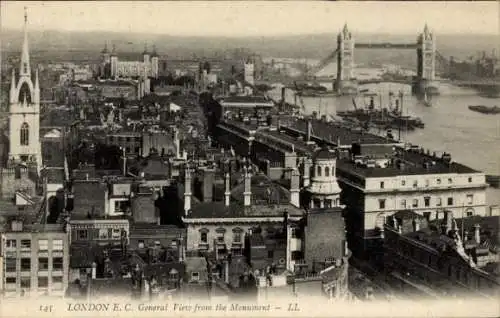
[(426, 55), (154, 63), (24, 111), (345, 63), (114, 62), (249, 71)]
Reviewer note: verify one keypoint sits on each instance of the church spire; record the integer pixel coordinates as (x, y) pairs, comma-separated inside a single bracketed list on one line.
[(13, 86), (25, 55)]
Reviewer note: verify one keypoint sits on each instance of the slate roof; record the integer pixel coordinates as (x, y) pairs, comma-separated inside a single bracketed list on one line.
[(89, 197), (147, 229), (219, 210), (264, 191)]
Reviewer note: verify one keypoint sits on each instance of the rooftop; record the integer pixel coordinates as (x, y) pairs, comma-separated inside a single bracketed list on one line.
[(405, 162), (220, 210), (246, 99), (336, 133)]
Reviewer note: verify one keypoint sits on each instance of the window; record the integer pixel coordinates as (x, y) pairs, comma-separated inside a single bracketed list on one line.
[(140, 244), (450, 181), (26, 244), (173, 274), (10, 280), (415, 203), (43, 245), (57, 245), (57, 264), (25, 68), (25, 264), (24, 135), (43, 264), (26, 282), (403, 182), (57, 280), (427, 215), (195, 276), (381, 203), (439, 202), (319, 171), (426, 182), (438, 181), (116, 234), (427, 201), (470, 179), (82, 234), (403, 203), (381, 184), (220, 237), (327, 171), (270, 254), (415, 183), (237, 237), (204, 237), (10, 265), (470, 198), (43, 282), (470, 213), (328, 203), (11, 244), (103, 234), (450, 201)]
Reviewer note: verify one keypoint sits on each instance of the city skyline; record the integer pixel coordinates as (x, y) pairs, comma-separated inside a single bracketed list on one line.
[(240, 18)]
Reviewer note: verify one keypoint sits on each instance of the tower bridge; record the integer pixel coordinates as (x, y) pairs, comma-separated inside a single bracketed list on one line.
[(426, 54)]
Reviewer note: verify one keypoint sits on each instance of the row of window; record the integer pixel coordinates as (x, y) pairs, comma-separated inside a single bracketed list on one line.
[(103, 234), (427, 182), (121, 139), (220, 236), (43, 245), (326, 170), (43, 264), (415, 203), (43, 282)]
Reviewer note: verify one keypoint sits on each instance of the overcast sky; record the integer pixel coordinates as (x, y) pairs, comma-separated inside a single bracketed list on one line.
[(258, 18)]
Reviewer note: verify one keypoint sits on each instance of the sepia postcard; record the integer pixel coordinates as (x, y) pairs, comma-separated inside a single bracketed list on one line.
[(249, 158)]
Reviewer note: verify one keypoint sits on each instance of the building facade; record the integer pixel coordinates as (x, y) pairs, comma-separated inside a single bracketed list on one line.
[(24, 110), (35, 260), (112, 67)]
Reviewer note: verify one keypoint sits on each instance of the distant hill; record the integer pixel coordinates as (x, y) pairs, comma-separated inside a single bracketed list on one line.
[(299, 46)]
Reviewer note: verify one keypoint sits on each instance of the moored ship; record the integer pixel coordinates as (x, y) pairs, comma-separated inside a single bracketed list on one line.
[(485, 109)]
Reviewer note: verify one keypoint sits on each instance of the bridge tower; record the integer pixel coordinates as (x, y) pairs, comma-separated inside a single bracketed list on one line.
[(345, 64), (426, 62)]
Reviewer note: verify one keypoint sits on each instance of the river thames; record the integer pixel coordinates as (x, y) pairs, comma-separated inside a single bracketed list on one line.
[(472, 138)]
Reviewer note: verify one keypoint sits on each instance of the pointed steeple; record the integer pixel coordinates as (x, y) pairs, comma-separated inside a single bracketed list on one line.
[(36, 89), (13, 87), (105, 50), (154, 54), (25, 55)]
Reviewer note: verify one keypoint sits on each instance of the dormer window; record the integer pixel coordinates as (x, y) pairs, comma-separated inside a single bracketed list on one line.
[(25, 68)]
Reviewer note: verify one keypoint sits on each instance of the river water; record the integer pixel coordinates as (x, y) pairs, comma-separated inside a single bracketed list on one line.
[(472, 138)]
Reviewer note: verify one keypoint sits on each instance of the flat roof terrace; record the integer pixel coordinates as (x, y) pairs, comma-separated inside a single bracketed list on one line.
[(335, 133), (406, 162)]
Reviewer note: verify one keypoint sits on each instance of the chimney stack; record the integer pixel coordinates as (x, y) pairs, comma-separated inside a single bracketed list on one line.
[(208, 184), (295, 188), (416, 225), (307, 172), (227, 194), (187, 191), (309, 130), (477, 233), (448, 220), (248, 191)]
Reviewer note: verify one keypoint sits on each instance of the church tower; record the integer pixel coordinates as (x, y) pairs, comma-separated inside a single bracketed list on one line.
[(24, 111), (324, 189)]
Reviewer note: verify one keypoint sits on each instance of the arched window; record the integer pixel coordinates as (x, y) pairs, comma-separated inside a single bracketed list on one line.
[(319, 171), (327, 171), (25, 92), (25, 134)]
